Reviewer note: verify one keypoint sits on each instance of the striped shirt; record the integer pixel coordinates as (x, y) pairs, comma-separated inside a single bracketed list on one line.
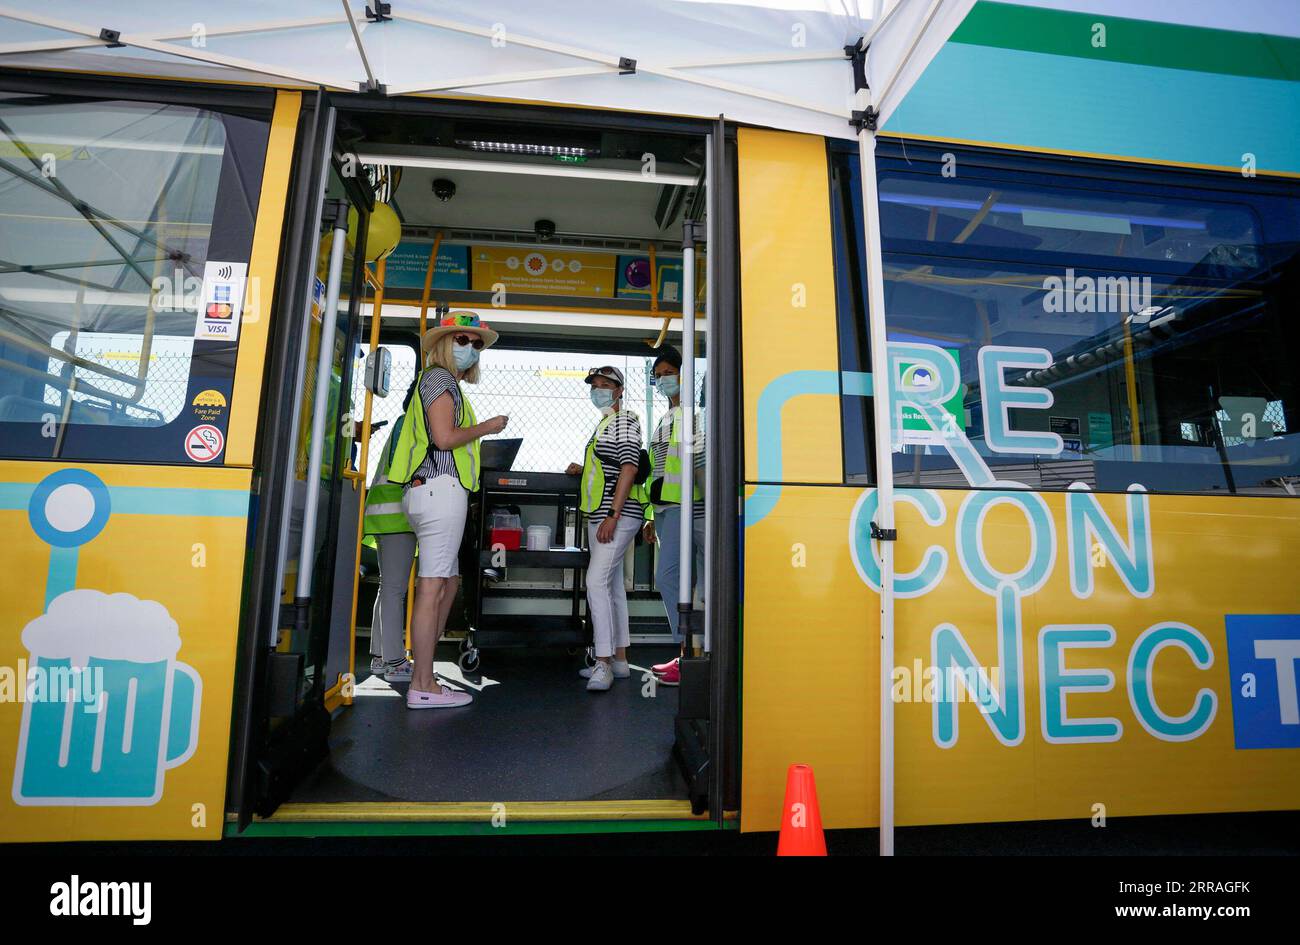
[(618, 443), (659, 453), (436, 382)]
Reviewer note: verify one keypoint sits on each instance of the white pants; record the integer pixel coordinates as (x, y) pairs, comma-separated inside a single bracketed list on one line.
[(606, 596), (436, 511)]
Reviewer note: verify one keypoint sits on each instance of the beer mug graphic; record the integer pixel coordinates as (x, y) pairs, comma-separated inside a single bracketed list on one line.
[(143, 711)]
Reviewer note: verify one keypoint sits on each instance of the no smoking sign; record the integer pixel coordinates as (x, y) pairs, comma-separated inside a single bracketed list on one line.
[(204, 443)]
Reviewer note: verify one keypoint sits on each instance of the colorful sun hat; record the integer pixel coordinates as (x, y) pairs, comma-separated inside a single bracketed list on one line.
[(454, 323)]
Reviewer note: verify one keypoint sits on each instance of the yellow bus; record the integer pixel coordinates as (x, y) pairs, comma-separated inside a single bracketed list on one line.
[(1049, 574)]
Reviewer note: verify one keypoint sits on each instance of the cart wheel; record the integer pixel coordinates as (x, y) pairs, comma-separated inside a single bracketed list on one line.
[(464, 643), (589, 656), (468, 660)]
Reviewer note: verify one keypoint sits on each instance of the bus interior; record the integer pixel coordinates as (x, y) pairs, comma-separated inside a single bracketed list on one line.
[(568, 241)]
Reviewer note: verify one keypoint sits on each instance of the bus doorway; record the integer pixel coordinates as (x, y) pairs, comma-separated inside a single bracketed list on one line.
[(584, 249)]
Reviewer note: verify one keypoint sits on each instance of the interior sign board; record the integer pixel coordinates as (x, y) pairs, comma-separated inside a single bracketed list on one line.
[(222, 301), (1069, 429)]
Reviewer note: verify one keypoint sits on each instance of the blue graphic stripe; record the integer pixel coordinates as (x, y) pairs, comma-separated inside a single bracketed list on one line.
[(147, 500), (770, 404), (202, 503), (62, 574), (15, 495)]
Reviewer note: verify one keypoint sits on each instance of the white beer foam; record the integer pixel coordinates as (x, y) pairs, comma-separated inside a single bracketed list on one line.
[(83, 623)]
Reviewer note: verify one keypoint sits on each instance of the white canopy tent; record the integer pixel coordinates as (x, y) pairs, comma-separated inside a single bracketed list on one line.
[(776, 63)]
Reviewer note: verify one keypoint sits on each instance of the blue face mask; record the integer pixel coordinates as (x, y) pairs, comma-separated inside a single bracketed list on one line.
[(602, 398), (465, 356), (670, 385)]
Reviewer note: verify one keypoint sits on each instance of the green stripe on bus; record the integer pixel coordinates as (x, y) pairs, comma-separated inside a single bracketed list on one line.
[(470, 829), (1141, 42)]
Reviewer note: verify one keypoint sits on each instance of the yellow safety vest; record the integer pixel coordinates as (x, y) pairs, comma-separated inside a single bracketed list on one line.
[(413, 444), (670, 492), (592, 488)]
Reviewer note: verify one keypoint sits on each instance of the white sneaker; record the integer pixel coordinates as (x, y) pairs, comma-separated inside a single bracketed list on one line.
[(443, 697), (399, 673), (602, 677), (620, 668)]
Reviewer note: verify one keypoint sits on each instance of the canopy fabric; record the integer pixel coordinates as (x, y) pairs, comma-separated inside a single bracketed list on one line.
[(774, 63), (1180, 81)]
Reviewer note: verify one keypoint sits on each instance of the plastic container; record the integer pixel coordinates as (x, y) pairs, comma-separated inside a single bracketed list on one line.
[(511, 539), (505, 520), (539, 538)]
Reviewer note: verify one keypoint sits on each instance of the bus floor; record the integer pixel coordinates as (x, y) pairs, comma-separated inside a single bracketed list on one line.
[(533, 733)]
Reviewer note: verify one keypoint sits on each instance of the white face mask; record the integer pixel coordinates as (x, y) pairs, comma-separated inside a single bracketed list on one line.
[(465, 356), (670, 385), (602, 398)]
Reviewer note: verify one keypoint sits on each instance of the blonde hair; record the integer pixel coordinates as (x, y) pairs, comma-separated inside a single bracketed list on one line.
[(441, 354)]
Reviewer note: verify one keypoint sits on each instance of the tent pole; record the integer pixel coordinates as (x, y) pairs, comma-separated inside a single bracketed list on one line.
[(884, 466), (372, 84), (184, 51), (56, 45)]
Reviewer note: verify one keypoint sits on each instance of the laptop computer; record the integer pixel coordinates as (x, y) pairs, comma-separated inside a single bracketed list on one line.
[(499, 454)]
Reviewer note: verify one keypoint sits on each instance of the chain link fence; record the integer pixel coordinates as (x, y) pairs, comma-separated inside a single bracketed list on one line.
[(155, 400), (543, 394)]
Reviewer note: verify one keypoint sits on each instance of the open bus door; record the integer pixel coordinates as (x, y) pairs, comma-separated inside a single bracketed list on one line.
[(297, 647), (706, 743)]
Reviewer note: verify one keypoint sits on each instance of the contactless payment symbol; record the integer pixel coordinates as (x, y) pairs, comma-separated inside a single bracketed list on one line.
[(223, 296), (204, 443)]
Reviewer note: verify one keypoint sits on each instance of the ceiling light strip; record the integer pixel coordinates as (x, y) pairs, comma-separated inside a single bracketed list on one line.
[(582, 172)]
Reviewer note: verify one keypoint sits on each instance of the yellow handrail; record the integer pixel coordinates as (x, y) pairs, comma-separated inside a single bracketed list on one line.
[(428, 282), (375, 316)]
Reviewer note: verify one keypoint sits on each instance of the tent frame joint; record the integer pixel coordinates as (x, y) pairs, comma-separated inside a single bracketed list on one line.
[(111, 38), (380, 12), (857, 53), (626, 65), (883, 534), (868, 119)]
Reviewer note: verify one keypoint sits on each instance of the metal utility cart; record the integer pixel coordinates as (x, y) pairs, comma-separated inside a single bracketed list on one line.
[(569, 629)]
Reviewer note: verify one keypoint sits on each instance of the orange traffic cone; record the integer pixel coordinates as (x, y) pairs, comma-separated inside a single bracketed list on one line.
[(801, 818)]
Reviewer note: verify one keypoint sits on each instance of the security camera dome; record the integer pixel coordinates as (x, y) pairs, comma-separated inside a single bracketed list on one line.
[(444, 189)]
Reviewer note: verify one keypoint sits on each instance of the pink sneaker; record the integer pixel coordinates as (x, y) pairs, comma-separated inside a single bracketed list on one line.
[(672, 676), (660, 668), (444, 698)]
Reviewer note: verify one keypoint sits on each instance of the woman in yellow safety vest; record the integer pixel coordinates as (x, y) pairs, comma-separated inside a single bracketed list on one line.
[(665, 492), (387, 529), (613, 504), (437, 460)]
